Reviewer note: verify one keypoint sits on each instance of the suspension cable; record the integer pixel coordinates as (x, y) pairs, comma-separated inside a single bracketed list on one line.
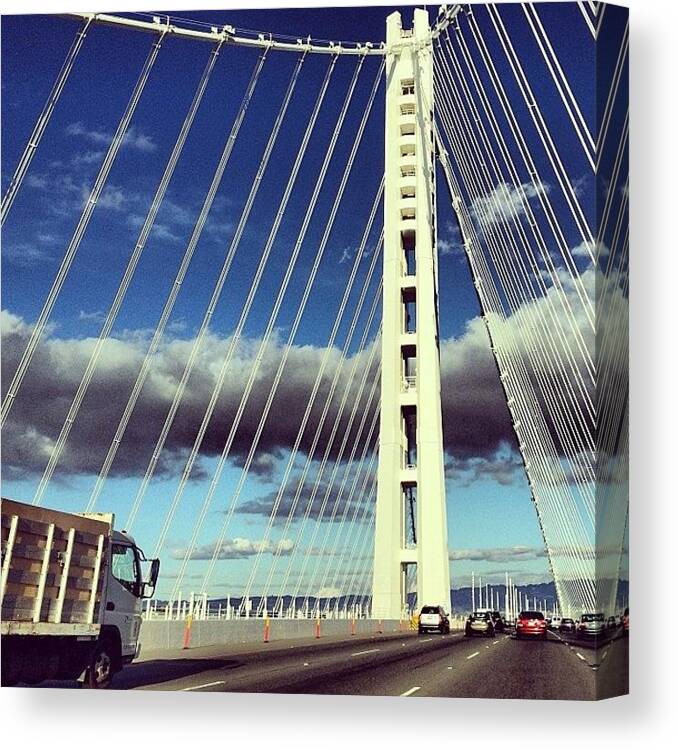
[(88, 210), (176, 286), (264, 342), (126, 280), (307, 291), (236, 336), (42, 123), (218, 288)]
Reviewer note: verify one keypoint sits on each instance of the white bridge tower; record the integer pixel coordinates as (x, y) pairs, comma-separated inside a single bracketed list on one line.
[(411, 517)]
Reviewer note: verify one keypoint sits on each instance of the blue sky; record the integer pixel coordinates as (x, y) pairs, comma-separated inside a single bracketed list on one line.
[(489, 506)]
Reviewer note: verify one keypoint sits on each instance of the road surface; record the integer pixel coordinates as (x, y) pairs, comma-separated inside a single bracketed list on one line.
[(393, 665)]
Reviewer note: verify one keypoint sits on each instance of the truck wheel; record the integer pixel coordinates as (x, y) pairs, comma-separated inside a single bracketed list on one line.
[(101, 667)]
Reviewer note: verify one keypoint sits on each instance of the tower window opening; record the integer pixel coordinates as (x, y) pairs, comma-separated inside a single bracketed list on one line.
[(409, 417), (407, 86), (408, 241), (409, 311), (409, 515), (409, 367)]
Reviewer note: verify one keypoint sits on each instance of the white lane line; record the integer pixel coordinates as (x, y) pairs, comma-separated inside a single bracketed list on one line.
[(409, 692), (583, 658), (426, 640), (472, 655), (494, 643), (200, 687), (369, 651)]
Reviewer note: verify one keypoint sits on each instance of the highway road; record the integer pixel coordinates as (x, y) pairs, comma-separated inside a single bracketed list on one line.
[(392, 665)]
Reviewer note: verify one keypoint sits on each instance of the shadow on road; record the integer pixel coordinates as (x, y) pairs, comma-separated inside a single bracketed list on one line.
[(158, 671), (152, 672), (592, 644)]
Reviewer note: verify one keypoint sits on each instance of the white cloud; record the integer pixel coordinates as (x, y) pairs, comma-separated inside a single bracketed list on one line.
[(499, 554), (236, 549), (24, 254), (134, 138), (505, 202), (113, 198), (96, 316)]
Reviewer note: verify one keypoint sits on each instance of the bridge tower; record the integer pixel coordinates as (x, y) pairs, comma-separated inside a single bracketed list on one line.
[(411, 518)]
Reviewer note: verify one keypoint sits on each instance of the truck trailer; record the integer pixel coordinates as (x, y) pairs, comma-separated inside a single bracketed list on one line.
[(71, 595)]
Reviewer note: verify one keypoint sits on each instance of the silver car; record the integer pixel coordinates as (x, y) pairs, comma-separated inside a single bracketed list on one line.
[(591, 625)]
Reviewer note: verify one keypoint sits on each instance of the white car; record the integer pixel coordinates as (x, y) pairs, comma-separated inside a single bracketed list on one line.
[(555, 623), (433, 618)]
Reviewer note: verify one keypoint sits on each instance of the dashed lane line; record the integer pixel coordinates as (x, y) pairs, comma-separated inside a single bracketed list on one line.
[(200, 687), (369, 651), (494, 643), (411, 691), (472, 655), (583, 658)]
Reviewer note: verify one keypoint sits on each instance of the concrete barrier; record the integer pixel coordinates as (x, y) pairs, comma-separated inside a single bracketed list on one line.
[(161, 634)]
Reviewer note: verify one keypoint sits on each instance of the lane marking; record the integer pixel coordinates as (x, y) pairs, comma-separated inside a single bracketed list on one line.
[(369, 651), (199, 687), (494, 643), (472, 655), (409, 692), (426, 640), (583, 658)]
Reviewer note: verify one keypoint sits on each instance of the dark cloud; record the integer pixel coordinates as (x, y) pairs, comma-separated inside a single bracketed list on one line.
[(321, 503), (58, 364), (478, 434), (505, 467)]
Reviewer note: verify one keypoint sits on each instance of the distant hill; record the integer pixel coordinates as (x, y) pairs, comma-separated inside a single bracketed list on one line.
[(461, 598)]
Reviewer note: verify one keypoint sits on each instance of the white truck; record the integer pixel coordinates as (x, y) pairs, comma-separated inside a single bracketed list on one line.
[(71, 596)]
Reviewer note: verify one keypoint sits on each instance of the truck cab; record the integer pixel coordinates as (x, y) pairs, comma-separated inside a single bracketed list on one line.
[(71, 595), (124, 590)]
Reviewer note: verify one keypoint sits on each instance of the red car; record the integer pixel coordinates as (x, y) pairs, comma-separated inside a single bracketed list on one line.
[(531, 623)]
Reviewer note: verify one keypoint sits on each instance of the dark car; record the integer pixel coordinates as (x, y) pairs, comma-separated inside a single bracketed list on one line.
[(612, 623), (499, 624), (625, 621), (567, 625), (531, 623), (433, 617), (480, 623)]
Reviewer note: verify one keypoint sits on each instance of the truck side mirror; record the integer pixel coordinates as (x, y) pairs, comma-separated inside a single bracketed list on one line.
[(148, 587), (155, 570)]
